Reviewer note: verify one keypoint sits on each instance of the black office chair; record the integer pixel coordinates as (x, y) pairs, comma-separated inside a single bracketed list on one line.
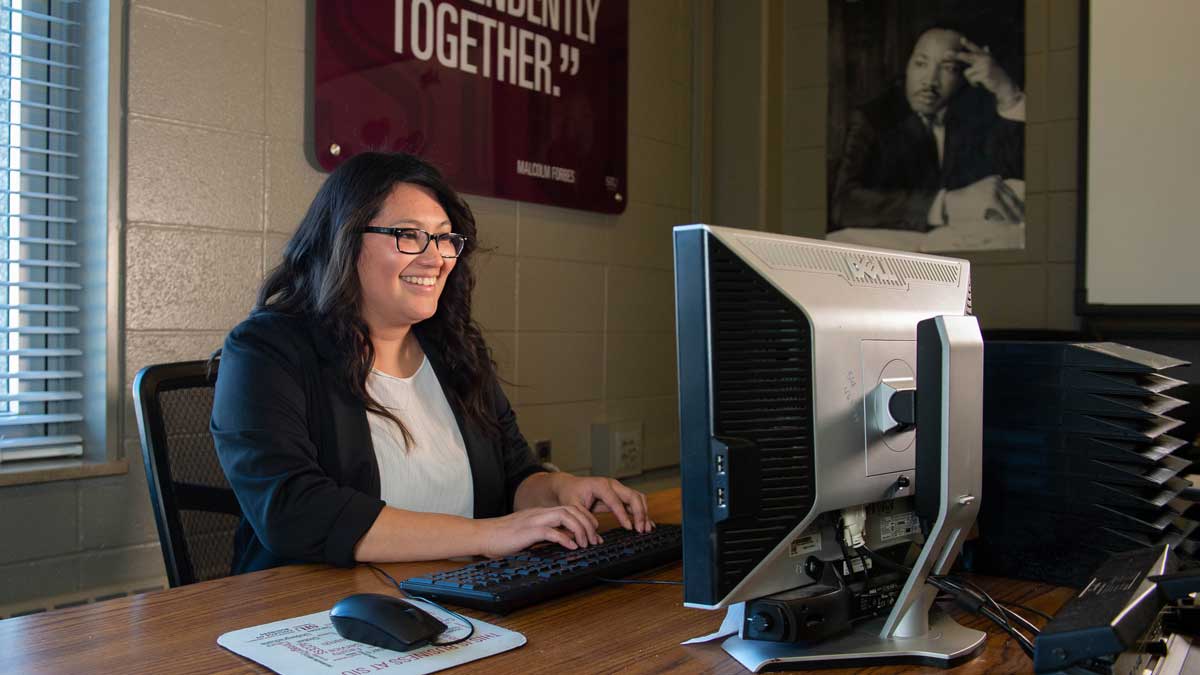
[(194, 507)]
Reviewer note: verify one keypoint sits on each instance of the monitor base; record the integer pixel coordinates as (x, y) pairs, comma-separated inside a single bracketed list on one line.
[(947, 644)]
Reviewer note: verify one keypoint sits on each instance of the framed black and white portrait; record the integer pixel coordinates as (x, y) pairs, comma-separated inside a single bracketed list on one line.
[(926, 134)]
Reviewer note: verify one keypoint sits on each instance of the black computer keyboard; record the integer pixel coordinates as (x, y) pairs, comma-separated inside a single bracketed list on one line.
[(548, 571)]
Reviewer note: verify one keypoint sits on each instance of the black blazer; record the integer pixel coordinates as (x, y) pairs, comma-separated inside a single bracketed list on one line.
[(296, 447), (889, 175)]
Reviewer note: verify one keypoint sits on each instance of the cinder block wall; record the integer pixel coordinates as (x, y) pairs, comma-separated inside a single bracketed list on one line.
[(1029, 289), (577, 306)]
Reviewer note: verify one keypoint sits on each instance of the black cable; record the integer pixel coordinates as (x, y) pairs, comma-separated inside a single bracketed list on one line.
[(640, 581), (968, 600), (982, 604), (1003, 611), (885, 561), (1025, 623), (967, 587), (989, 601), (1024, 642), (988, 607), (470, 624), (971, 598), (389, 577), (1031, 610)]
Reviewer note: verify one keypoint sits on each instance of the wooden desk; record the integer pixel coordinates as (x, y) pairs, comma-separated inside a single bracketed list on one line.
[(635, 629)]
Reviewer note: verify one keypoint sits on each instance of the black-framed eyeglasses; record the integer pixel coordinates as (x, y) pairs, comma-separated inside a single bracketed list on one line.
[(414, 240)]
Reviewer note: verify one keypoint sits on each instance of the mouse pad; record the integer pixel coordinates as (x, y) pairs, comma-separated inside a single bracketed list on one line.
[(309, 644)]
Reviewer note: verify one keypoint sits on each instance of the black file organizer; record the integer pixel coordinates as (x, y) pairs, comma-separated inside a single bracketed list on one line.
[(1079, 462)]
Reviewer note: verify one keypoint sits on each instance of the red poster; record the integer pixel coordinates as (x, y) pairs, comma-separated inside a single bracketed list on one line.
[(519, 99)]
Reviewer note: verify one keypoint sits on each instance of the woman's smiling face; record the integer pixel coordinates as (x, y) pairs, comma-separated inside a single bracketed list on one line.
[(401, 289)]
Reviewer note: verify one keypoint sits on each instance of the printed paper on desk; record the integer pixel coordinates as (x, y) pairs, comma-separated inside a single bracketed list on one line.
[(310, 644)]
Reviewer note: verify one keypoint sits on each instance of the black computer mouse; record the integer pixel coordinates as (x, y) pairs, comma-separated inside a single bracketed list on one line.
[(384, 621)]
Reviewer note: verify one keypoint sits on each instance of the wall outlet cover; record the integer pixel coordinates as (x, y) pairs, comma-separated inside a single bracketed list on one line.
[(617, 449)]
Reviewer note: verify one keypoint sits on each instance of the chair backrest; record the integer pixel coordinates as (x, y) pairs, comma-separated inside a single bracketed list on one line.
[(194, 507)]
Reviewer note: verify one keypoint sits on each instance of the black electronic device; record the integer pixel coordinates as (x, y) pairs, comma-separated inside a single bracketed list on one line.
[(822, 610), (1115, 608), (384, 621), (807, 614), (549, 570)]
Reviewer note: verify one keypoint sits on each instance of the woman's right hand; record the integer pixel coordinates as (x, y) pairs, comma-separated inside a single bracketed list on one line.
[(569, 526)]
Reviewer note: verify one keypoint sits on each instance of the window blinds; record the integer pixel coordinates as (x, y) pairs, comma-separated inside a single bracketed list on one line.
[(39, 272)]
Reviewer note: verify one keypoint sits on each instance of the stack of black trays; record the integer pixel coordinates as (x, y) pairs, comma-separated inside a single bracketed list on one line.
[(1078, 459)]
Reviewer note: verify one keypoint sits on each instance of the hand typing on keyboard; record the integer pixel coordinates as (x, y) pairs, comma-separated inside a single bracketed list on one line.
[(605, 494), (547, 507), (567, 526), (557, 508)]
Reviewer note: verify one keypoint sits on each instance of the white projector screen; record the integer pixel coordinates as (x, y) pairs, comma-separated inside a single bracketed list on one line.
[(1142, 185)]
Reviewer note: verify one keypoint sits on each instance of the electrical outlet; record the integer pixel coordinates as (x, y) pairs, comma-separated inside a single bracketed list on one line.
[(617, 449), (542, 450), (626, 448)]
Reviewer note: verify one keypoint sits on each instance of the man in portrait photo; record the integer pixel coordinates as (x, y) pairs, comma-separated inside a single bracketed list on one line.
[(942, 150)]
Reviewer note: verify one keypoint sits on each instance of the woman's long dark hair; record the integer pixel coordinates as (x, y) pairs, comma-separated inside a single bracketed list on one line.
[(318, 278)]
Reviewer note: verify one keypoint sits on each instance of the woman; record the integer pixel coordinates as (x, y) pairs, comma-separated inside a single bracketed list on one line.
[(357, 413)]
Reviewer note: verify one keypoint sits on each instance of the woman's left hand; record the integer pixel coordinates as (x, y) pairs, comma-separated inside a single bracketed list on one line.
[(606, 494)]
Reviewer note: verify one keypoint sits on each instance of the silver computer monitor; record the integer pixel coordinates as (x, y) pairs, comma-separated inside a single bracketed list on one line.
[(790, 353)]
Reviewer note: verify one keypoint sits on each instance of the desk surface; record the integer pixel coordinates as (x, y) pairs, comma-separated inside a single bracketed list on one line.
[(634, 629)]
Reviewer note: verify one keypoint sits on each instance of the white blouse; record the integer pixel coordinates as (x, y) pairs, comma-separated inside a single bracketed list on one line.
[(434, 475)]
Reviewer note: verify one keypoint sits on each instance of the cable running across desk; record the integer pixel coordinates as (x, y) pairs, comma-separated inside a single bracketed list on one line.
[(470, 624), (972, 598)]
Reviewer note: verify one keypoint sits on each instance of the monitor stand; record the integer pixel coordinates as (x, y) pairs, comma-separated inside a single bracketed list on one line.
[(946, 644), (950, 391)]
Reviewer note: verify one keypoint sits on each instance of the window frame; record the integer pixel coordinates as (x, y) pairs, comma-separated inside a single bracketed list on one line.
[(100, 241)]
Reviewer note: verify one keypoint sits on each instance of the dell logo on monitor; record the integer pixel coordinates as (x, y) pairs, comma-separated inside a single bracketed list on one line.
[(870, 270)]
